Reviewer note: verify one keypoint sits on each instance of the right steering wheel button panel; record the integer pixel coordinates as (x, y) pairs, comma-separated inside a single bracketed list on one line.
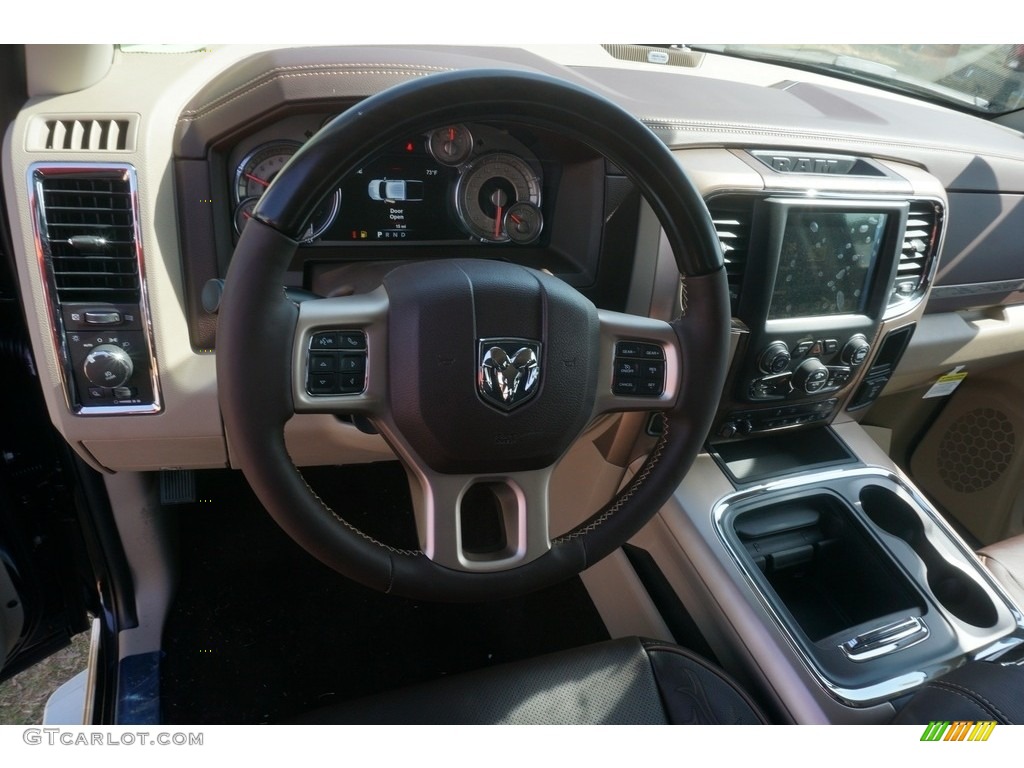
[(639, 369)]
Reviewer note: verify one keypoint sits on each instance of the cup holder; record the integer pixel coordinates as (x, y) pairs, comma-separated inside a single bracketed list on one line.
[(958, 593)]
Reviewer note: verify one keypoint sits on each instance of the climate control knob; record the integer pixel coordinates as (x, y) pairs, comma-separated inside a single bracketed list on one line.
[(108, 365), (775, 358), (856, 350), (810, 376)]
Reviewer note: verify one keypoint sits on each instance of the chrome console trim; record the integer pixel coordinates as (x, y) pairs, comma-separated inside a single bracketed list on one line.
[(1008, 632)]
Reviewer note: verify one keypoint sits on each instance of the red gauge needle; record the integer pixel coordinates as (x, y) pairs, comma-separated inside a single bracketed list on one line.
[(499, 198), (257, 179)]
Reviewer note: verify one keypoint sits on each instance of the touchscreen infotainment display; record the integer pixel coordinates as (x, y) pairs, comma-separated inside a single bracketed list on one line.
[(826, 262)]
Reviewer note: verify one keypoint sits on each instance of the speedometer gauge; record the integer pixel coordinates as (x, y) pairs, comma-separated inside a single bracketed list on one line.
[(486, 190), (258, 169)]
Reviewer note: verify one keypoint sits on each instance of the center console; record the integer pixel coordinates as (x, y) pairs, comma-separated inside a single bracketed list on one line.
[(860, 574)]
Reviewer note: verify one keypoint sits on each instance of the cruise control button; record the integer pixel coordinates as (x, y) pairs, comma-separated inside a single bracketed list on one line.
[(653, 371), (625, 368), (625, 386), (651, 387)]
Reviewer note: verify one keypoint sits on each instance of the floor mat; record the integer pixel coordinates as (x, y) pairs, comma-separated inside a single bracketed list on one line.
[(260, 631)]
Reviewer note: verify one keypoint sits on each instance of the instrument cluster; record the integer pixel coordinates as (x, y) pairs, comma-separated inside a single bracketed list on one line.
[(453, 183)]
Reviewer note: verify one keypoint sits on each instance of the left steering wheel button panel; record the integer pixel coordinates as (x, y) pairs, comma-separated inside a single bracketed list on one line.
[(332, 372)]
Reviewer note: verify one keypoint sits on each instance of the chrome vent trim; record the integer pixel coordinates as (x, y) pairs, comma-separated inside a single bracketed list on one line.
[(733, 220), (85, 220), (917, 256), (83, 133)]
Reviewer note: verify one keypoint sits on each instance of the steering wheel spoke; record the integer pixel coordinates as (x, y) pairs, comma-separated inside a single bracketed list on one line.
[(339, 355), (482, 523), (640, 368)]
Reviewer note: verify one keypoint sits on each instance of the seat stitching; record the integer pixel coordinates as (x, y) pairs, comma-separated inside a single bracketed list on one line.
[(970, 695)]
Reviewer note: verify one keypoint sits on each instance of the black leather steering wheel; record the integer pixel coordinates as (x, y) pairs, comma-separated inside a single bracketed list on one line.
[(425, 339)]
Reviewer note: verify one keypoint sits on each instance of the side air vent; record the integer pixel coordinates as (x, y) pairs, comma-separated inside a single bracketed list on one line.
[(83, 134), (90, 253), (90, 236), (732, 219), (920, 244)]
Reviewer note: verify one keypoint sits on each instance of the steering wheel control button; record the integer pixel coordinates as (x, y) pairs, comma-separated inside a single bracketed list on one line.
[(326, 340), (331, 371), (352, 340), (323, 362), (639, 369), (352, 363)]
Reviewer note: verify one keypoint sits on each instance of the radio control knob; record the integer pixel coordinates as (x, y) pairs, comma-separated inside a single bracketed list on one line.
[(810, 376), (108, 365), (775, 358), (856, 350)]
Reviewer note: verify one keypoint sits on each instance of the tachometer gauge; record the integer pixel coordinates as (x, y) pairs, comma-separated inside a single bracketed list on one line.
[(243, 212), (450, 145), (486, 190), (523, 223), (258, 169)]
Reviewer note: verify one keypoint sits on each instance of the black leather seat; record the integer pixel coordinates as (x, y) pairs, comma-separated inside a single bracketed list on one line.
[(626, 681)]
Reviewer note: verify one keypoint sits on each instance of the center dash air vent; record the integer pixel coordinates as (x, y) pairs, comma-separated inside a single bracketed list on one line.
[(920, 244), (83, 134), (88, 228), (732, 219)]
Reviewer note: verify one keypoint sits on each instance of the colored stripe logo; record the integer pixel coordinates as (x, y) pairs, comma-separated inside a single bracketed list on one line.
[(958, 730)]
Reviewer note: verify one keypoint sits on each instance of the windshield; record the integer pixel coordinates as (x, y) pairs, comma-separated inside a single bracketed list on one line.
[(987, 79)]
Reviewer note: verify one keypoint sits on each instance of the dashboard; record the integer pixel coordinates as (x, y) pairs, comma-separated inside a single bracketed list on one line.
[(871, 244), (831, 204)]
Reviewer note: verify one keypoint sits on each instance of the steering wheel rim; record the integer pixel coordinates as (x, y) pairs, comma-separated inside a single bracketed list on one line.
[(261, 334)]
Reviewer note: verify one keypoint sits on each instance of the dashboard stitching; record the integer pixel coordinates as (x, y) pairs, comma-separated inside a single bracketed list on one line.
[(328, 69), (656, 124), (343, 521), (635, 486)]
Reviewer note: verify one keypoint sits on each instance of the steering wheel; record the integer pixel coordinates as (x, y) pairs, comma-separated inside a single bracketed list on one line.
[(480, 374)]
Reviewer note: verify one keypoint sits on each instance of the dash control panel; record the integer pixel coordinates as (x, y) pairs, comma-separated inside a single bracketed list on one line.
[(336, 363), (109, 356), (806, 367)]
